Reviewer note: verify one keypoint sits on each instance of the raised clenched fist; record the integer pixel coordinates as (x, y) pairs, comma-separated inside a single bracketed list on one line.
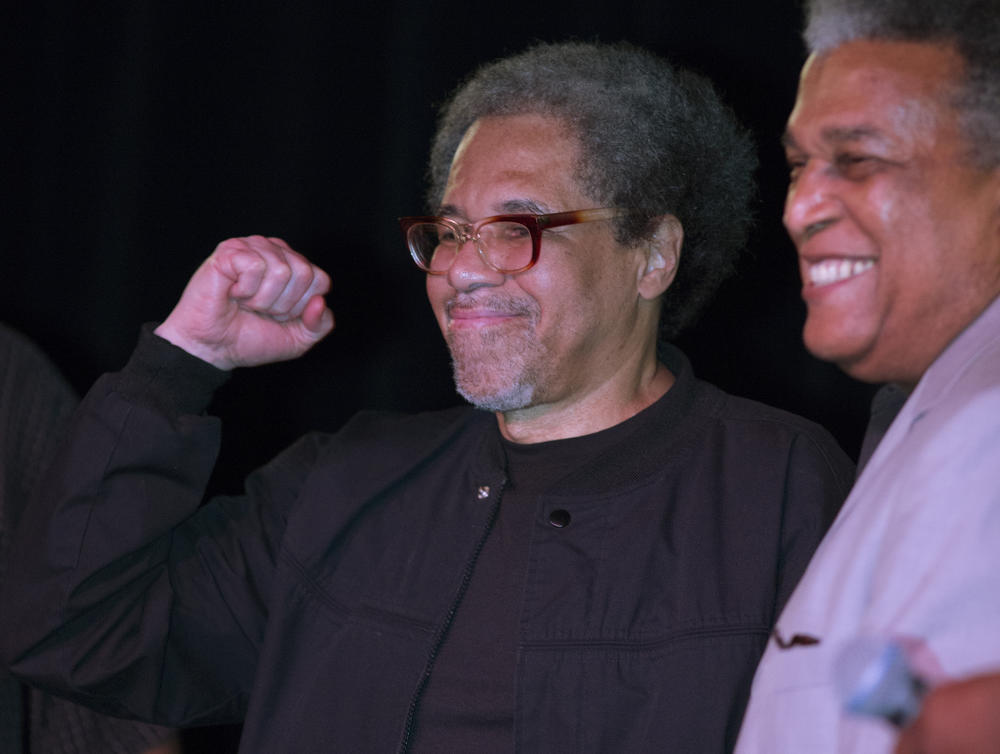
[(253, 301)]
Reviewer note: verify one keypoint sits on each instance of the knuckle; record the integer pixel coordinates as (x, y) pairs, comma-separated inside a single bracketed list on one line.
[(282, 273), (231, 245)]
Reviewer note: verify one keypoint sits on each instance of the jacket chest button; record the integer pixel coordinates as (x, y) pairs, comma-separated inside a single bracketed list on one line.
[(559, 518)]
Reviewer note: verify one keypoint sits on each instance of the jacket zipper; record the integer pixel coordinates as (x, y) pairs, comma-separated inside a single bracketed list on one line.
[(442, 632)]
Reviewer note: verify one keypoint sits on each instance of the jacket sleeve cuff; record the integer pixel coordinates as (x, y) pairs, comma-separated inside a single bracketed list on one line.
[(167, 377)]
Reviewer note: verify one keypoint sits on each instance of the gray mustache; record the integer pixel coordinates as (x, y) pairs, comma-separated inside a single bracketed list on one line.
[(493, 303)]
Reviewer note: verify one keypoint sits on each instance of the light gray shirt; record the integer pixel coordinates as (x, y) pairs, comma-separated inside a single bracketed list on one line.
[(914, 555)]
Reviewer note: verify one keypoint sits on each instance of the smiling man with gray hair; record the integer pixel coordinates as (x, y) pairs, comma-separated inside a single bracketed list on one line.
[(894, 205)]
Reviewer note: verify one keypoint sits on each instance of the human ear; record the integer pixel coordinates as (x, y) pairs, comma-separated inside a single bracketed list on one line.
[(662, 258)]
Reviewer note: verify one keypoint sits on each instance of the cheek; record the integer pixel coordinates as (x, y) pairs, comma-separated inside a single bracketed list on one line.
[(549, 288), (874, 219), (902, 209), (579, 303), (904, 232), (892, 213)]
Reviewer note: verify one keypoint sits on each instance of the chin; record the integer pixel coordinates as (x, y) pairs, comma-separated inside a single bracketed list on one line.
[(497, 375), (853, 362), (493, 389), (833, 344), (509, 399)]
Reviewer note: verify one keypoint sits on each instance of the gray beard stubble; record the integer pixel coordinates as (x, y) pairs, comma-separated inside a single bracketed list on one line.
[(499, 371)]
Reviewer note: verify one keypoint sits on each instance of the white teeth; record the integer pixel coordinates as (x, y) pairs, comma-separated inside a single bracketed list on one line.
[(835, 270)]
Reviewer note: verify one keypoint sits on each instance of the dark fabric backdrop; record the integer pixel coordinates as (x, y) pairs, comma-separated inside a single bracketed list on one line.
[(138, 134)]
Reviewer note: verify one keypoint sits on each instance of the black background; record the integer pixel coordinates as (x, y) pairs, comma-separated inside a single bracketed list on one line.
[(136, 135)]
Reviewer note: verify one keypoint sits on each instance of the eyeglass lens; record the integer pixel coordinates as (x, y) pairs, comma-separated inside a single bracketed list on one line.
[(505, 246)]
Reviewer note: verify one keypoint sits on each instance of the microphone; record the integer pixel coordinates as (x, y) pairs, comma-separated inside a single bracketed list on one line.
[(874, 678)]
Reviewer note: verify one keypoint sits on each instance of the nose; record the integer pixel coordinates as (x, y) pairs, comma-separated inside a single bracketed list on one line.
[(810, 204), (469, 270)]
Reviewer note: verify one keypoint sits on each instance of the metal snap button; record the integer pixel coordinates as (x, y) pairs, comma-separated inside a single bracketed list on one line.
[(559, 518)]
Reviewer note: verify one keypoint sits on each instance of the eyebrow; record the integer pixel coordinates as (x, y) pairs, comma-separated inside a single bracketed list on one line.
[(838, 135)]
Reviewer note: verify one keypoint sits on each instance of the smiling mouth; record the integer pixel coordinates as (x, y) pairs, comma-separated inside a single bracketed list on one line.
[(836, 270)]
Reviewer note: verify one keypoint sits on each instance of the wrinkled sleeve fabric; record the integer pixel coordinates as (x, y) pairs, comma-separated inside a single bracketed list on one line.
[(121, 579)]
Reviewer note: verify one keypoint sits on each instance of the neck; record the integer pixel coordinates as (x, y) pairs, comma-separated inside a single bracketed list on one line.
[(609, 404)]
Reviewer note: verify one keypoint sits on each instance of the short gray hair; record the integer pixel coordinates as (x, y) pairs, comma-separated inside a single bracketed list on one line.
[(654, 138), (971, 27)]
